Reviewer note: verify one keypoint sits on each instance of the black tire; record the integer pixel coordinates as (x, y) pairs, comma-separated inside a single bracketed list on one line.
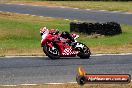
[(82, 54), (81, 80), (50, 55)]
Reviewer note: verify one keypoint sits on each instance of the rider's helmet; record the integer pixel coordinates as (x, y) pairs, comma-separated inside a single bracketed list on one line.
[(43, 30), (65, 34), (53, 31)]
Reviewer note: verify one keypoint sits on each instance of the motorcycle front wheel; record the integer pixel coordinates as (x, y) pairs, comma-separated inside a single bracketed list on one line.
[(52, 53)]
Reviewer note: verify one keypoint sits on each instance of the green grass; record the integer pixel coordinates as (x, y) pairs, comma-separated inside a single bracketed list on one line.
[(22, 32), (19, 34), (96, 5)]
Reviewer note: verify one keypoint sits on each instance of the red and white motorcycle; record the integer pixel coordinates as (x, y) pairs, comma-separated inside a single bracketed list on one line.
[(55, 46)]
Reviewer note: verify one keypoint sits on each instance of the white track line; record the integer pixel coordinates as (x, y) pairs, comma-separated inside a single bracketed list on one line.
[(33, 15), (28, 84), (66, 19), (8, 85), (112, 54), (42, 84), (72, 82), (19, 56), (35, 5), (26, 14), (115, 11), (75, 20), (41, 16), (128, 13), (61, 83), (103, 10), (75, 8), (53, 83), (6, 12), (88, 9), (8, 3), (46, 56), (63, 7), (21, 4)]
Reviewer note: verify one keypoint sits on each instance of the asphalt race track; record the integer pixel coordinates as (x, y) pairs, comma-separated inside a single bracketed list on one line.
[(69, 13), (39, 70)]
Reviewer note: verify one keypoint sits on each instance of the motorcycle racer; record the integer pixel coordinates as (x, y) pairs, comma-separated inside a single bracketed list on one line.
[(64, 35), (56, 45)]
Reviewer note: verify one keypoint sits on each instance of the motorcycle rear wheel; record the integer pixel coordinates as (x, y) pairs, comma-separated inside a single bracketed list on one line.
[(49, 54), (84, 52)]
